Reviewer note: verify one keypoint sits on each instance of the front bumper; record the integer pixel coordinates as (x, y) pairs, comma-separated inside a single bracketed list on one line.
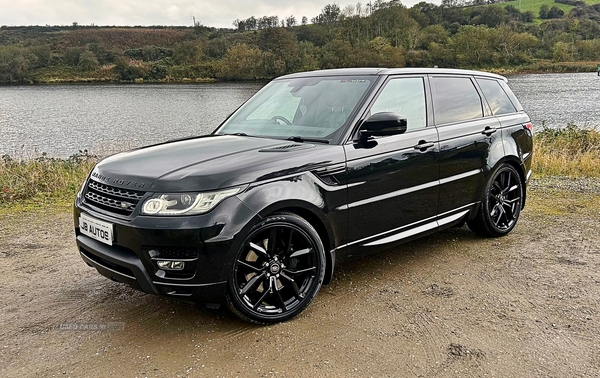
[(209, 240)]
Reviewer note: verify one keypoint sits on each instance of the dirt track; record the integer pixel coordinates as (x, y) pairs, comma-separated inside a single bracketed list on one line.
[(449, 305)]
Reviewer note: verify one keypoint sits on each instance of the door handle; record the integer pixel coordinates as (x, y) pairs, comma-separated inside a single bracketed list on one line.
[(489, 130), (423, 145)]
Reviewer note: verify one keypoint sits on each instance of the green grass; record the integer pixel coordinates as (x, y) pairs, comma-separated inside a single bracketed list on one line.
[(534, 5)]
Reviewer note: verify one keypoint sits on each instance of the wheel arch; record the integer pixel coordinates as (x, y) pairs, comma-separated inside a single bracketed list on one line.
[(518, 166)]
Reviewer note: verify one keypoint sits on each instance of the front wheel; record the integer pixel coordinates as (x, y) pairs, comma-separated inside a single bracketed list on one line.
[(501, 204), (278, 270)]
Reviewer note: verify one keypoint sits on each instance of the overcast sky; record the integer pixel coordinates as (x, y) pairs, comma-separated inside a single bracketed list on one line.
[(217, 13)]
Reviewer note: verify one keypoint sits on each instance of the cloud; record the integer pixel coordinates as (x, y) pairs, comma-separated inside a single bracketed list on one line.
[(220, 13)]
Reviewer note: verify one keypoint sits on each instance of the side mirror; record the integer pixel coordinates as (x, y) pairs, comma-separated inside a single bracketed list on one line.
[(383, 124)]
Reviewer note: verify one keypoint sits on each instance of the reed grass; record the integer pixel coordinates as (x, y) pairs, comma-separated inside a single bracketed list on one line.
[(43, 178), (571, 151)]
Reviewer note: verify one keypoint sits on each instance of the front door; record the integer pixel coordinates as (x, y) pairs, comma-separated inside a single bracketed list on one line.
[(393, 186)]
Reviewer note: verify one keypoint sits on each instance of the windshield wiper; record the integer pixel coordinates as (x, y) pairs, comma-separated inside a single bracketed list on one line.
[(300, 139)]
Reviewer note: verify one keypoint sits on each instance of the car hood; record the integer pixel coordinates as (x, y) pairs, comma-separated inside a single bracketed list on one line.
[(212, 162)]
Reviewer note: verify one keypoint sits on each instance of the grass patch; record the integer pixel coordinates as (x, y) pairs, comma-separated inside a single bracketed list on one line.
[(42, 179), (570, 152)]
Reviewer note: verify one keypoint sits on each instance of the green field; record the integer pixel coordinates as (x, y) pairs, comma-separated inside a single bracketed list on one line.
[(534, 5)]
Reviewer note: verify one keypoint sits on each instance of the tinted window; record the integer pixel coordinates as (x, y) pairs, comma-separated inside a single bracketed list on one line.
[(511, 95), (496, 97), (455, 99), (405, 96)]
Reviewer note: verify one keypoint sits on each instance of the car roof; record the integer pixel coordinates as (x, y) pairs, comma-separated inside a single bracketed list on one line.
[(390, 71)]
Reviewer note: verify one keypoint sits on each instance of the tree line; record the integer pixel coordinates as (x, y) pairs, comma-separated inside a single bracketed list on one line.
[(378, 34)]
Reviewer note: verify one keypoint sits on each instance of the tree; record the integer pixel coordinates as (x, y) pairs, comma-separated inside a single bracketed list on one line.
[(290, 21), (14, 63), (88, 61), (555, 12), (329, 14), (283, 47), (544, 11), (187, 53), (242, 62)]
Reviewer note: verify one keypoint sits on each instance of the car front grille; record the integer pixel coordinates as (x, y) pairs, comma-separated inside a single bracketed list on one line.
[(117, 200)]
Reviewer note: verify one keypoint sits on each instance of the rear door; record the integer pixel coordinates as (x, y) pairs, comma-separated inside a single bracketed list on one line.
[(469, 139)]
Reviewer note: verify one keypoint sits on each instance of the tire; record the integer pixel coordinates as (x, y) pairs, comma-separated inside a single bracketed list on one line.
[(278, 270), (501, 204)]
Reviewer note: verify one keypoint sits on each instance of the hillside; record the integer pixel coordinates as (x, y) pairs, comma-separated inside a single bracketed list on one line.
[(496, 37)]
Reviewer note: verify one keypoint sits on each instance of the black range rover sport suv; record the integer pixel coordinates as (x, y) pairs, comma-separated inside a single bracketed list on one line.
[(315, 168)]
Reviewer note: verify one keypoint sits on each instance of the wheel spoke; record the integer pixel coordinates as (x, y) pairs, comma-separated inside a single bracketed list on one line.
[(277, 294), (260, 300), (253, 281), (293, 283), (498, 211), (508, 211), (513, 200), (289, 244), (300, 253), (514, 187), (271, 242), (258, 248), (251, 267), (302, 271), (497, 186)]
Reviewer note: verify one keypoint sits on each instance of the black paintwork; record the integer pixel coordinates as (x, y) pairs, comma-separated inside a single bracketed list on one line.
[(355, 192)]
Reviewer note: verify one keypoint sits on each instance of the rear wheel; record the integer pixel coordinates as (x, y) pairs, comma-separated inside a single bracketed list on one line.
[(501, 205), (278, 270)]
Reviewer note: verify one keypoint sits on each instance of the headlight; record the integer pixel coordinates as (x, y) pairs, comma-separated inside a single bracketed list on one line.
[(185, 203)]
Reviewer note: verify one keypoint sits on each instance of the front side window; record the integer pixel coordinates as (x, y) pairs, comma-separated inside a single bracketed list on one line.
[(496, 97), (405, 96), (455, 99), (316, 107)]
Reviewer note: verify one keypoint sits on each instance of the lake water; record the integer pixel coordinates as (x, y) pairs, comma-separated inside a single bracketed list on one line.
[(63, 119)]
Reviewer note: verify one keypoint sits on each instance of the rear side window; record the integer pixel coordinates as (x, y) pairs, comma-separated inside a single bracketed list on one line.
[(496, 97), (455, 99)]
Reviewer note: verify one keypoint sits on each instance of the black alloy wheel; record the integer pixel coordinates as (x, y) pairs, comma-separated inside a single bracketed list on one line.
[(501, 205), (278, 270)]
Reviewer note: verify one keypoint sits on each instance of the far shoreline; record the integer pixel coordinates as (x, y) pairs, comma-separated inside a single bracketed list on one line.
[(539, 68)]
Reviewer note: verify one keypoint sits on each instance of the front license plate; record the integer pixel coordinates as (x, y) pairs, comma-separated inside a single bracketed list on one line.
[(96, 229)]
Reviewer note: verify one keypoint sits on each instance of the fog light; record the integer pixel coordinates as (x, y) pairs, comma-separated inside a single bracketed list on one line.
[(170, 265)]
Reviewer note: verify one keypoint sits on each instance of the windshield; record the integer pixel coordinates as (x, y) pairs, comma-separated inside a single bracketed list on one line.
[(314, 107)]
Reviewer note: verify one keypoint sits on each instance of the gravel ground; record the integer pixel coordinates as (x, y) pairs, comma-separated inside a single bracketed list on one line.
[(449, 305)]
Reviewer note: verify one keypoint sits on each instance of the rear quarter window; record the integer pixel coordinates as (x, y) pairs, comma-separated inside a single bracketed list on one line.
[(455, 99), (496, 97)]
